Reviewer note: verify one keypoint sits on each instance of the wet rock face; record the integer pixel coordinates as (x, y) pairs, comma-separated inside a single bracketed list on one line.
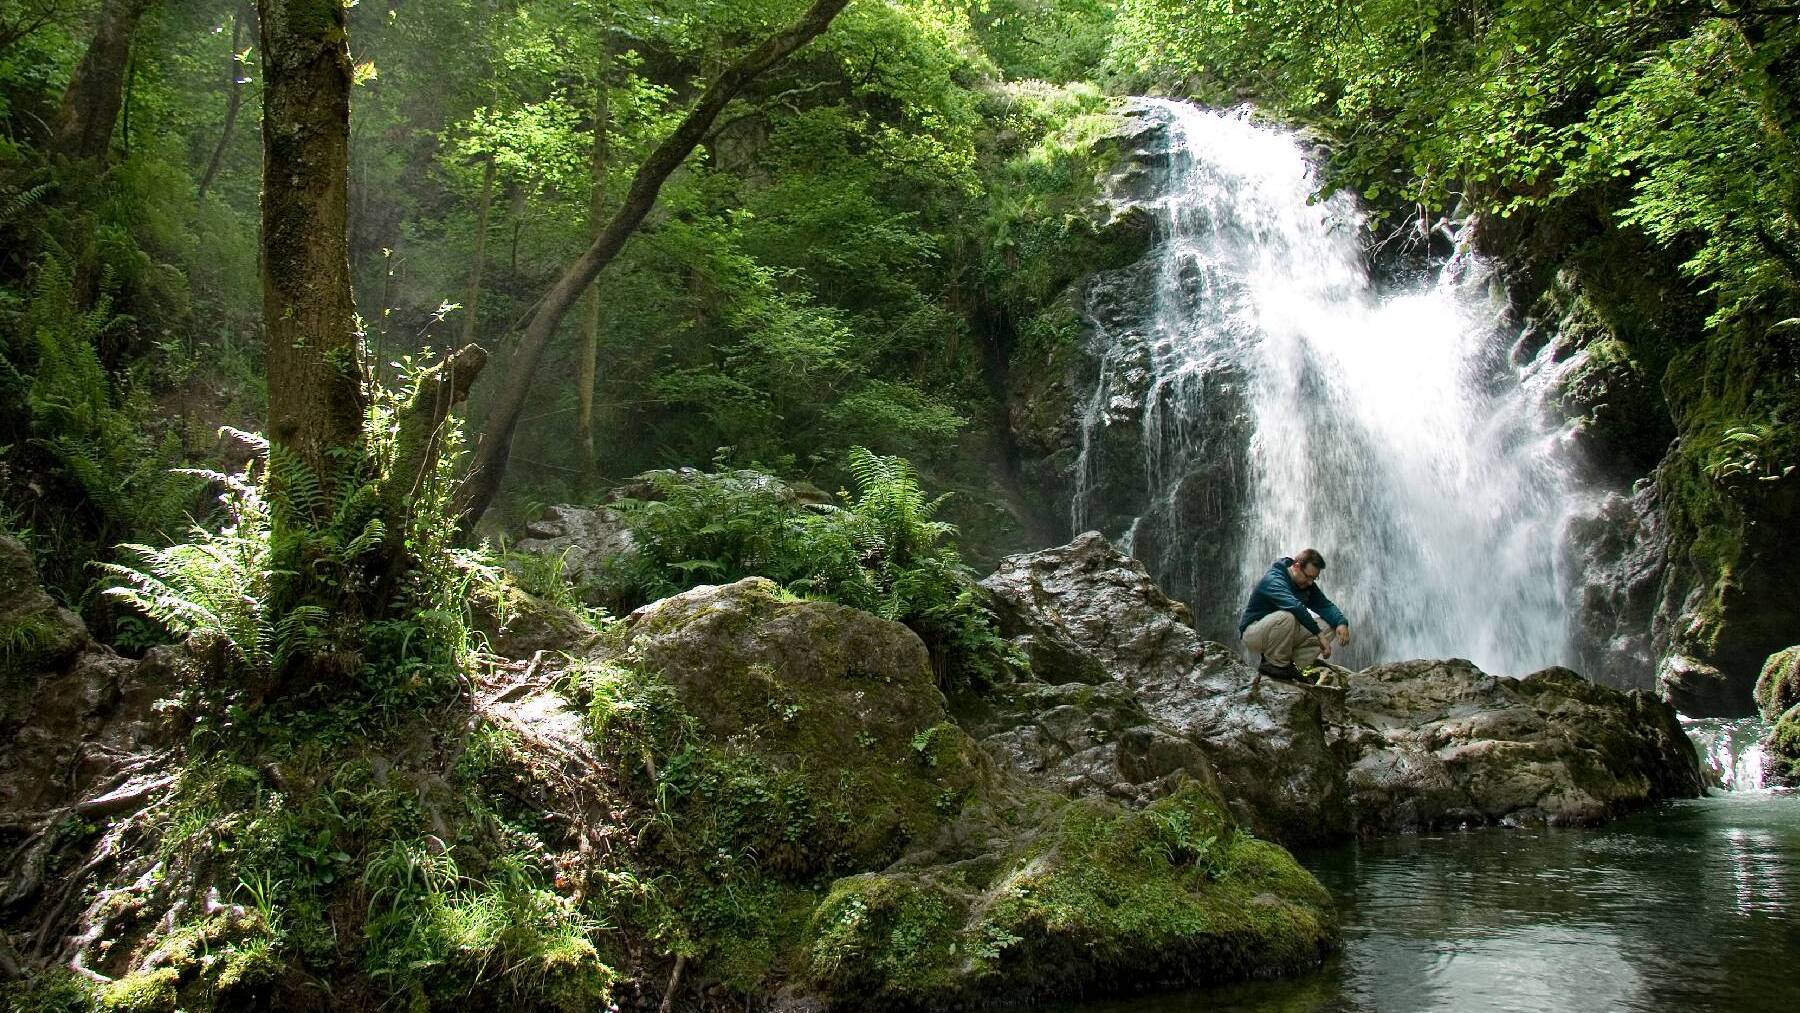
[(1403, 746), (1699, 689), (1619, 556)]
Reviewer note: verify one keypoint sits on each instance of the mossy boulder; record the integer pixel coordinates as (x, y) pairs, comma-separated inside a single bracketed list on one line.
[(1781, 751), (1778, 698), (1778, 687), (837, 698), (902, 867), (1096, 900)]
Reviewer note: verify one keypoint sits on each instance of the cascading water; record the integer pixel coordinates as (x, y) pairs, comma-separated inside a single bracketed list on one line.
[(1731, 749), (1277, 401)]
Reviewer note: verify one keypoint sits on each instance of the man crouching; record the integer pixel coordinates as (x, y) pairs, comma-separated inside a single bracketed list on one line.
[(1278, 622)]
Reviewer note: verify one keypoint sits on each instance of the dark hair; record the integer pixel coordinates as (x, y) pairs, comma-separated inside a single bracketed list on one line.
[(1309, 557)]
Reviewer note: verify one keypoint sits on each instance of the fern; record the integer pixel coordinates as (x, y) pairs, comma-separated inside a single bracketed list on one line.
[(89, 426), (883, 552), (14, 205), (213, 589)]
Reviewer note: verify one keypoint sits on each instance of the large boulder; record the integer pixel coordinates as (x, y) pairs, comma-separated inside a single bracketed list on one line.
[(1404, 746), (950, 880), (1700, 689), (1443, 743)]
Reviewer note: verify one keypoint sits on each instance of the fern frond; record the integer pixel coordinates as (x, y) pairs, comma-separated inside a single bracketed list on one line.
[(14, 205)]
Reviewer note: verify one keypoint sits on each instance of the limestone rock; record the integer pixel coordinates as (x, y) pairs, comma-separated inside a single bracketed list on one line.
[(586, 539), (1699, 689), (1404, 746)]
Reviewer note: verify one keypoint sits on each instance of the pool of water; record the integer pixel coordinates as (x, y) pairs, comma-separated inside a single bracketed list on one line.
[(1693, 905)]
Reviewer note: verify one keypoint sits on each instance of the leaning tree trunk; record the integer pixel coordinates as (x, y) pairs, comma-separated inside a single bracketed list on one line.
[(590, 343), (489, 464), (90, 104), (234, 84), (315, 377), (473, 300)]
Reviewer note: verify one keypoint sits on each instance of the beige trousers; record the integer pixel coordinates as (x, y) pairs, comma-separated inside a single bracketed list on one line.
[(1281, 639)]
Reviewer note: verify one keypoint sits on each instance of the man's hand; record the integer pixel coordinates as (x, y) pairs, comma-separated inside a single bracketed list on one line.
[(1324, 644), (1343, 636)]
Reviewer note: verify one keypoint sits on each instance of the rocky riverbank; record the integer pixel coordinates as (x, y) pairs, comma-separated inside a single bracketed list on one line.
[(735, 793), (1120, 678)]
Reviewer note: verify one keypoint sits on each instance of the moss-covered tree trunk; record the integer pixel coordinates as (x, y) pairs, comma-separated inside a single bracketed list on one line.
[(316, 399), (90, 104)]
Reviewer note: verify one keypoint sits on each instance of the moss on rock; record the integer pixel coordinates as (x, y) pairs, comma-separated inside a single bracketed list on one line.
[(1094, 899), (150, 991), (1778, 687), (1781, 752)]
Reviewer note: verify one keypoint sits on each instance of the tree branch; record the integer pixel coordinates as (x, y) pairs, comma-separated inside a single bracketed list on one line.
[(489, 464)]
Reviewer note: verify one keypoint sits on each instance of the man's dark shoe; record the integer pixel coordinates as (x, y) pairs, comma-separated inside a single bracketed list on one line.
[(1287, 673)]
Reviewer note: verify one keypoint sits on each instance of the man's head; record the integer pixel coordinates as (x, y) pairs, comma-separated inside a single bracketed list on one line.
[(1306, 567)]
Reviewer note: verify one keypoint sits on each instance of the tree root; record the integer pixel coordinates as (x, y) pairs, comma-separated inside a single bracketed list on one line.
[(668, 999)]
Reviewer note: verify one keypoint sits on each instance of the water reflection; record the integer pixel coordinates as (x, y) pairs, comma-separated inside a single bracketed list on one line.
[(1690, 906)]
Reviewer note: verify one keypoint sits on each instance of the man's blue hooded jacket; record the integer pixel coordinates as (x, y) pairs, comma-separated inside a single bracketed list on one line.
[(1276, 592)]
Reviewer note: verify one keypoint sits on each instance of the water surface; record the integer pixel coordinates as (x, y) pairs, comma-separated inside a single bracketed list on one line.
[(1689, 906)]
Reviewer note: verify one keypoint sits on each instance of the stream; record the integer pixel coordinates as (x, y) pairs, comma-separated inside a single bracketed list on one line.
[(1686, 906)]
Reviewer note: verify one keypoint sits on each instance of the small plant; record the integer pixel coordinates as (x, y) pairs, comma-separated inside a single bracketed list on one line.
[(1746, 453), (355, 578)]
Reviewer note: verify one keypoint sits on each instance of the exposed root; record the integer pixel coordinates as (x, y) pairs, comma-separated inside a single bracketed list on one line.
[(668, 999)]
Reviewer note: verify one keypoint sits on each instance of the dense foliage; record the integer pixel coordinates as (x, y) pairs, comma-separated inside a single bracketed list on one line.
[(880, 551), (851, 272)]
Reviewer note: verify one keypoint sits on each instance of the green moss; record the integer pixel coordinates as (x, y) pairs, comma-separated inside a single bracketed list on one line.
[(1778, 687), (57, 990), (1100, 897), (145, 992), (248, 969), (1782, 750)]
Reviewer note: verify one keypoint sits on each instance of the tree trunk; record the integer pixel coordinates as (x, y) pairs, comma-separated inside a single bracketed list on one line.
[(489, 464), (590, 345), (316, 399), (235, 82), (90, 104), (472, 302)]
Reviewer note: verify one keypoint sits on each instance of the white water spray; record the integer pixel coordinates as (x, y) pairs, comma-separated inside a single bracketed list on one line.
[(1387, 430)]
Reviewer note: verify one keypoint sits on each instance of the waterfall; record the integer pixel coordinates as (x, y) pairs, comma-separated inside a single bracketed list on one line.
[(1730, 749), (1277, 400)]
